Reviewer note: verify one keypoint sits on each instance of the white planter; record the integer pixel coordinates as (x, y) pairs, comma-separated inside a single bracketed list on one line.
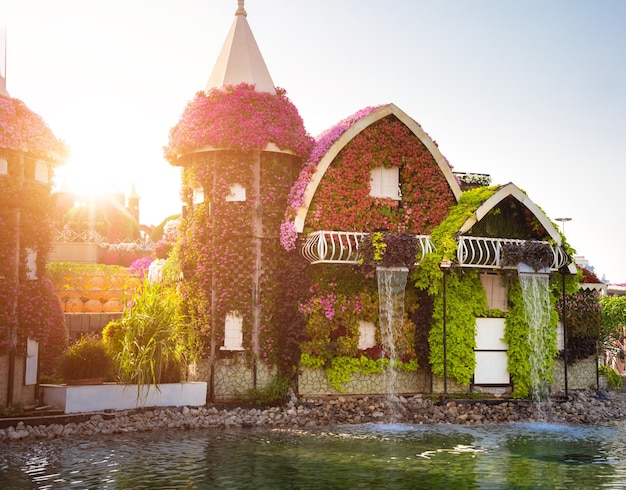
[(111, 396), (523, 268)]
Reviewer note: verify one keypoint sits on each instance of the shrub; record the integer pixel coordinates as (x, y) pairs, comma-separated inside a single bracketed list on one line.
[(613, 379), (84, 359), (275, 393)]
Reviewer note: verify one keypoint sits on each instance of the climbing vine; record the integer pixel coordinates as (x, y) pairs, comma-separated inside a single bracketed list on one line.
[(465, 300), (465, 296)]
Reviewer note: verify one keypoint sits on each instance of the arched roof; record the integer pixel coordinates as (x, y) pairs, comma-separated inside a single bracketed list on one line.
[(512, 190), (350, 134)]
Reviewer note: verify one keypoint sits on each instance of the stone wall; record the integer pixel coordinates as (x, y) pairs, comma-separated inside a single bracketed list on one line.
[(232, 377), (580, 375), (235, 376), (313, 382)]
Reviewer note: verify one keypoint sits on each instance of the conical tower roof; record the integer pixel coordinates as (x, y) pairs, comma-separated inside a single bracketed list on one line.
[(3, 67), (240, 60), (3, 87)]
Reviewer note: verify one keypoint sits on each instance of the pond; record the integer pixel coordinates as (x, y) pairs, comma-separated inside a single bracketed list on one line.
[(532, 455)]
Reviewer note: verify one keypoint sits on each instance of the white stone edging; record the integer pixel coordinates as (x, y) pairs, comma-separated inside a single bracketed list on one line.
[(112, 396)]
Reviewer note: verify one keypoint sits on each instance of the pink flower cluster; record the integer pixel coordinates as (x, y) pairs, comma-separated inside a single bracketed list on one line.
[(323, 142), (238, 117), (343, 201), (23, 130)]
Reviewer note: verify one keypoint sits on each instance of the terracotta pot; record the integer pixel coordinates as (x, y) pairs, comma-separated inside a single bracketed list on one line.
[(93, 306), (113, 305), (97, 282), (74, 305)]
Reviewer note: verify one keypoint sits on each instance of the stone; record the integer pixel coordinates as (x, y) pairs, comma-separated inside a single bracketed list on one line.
[(581, 408)]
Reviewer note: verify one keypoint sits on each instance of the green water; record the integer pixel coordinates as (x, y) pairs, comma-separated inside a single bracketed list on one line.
[(538, 455)]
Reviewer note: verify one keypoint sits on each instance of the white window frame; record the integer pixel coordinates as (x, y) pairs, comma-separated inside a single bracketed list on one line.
[(495, 290), (237, 193), (198, 195), (385, 183), (367, 335), (41, 172), (233, 332)]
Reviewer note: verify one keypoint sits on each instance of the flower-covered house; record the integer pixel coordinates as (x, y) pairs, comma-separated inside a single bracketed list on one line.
[(288, 243), (32, 328)]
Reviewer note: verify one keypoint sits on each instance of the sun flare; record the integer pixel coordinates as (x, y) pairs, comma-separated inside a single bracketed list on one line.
[(103, 133)]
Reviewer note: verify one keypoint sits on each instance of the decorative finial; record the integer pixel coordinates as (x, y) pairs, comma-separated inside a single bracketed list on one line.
[(240, 9)]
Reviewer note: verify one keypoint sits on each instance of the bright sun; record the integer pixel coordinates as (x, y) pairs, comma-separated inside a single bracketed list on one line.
[(102, 133), (114, 145)]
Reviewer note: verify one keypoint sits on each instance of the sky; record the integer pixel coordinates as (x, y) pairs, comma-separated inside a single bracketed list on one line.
[(530, 92)]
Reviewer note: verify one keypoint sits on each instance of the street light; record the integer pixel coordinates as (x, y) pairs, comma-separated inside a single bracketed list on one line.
[(563, 221)]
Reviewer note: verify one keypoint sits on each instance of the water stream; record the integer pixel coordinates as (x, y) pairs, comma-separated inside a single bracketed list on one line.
[(391, 287), (537, 306)]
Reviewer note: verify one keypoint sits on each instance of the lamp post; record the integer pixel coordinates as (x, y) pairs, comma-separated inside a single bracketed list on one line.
[(564, 271), (445, 267), (563, 221), (564, 313)]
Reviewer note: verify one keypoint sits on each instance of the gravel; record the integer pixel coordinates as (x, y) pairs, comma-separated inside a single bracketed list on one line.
[(580, 407)]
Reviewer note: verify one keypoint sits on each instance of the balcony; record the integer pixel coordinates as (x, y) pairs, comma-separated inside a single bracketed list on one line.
[(342, 247)]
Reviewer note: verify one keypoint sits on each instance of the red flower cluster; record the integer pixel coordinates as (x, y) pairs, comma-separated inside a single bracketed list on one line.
[(589, 276)]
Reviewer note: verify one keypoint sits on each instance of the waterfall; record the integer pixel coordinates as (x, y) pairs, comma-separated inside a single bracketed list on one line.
[(391, 286), (537, 306)]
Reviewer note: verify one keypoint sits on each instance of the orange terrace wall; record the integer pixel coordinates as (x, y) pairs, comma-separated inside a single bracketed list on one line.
[(92, 295)]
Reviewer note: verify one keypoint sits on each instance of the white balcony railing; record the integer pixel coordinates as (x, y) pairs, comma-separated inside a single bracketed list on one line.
[(342, 247), (487, 252), (332, 247)]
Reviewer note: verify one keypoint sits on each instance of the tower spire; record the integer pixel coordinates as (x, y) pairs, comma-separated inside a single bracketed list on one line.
[(240, 60), (241, 10)]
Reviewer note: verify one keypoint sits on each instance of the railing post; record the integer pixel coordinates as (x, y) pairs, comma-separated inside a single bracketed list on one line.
[(445, 267)]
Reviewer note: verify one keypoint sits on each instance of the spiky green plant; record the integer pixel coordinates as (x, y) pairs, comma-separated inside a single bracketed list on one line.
[(157, 342)]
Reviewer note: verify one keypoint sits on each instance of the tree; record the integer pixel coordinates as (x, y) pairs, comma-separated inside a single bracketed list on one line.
[(614, 321)]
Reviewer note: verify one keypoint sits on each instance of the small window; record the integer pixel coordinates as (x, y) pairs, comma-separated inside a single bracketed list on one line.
[(385, 183), (31, 264), (41, 172), (198, 195), (237, 193), (367, 335), (233, 332), (4, 166), (496, 291)]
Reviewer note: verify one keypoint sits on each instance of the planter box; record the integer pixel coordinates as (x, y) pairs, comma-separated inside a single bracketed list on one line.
[(111, 396)]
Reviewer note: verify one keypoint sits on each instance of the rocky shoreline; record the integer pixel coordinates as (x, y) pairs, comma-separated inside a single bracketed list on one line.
[(580, 407)]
